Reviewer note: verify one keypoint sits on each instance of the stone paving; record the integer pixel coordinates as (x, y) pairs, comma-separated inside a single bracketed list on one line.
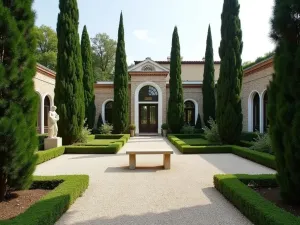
[(150, 194)]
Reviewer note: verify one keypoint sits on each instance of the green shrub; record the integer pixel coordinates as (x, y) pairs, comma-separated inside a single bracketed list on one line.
[(165, 126), (53, 205), (246, 144), (83, 137), (106, 129), (132, 127), (43, 156), (211, 133), (41, 138), (259, 210), (262, 143), (110, 149), (249, 136), (187, 129)]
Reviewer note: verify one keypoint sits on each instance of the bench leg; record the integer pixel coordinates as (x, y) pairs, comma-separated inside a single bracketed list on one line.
[(132, 161), (167, 161)]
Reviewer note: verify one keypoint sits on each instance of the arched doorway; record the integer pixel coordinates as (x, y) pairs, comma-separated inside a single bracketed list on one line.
[(265, 115), (108, 112), (148, 109), (47, 105), (189, 113), (38, 122), (256, 113)]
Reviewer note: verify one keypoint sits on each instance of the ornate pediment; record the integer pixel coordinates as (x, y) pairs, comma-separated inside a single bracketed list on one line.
[(148, 65)]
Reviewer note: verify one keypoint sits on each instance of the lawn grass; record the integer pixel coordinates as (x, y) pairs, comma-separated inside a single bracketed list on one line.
[(196, 141)]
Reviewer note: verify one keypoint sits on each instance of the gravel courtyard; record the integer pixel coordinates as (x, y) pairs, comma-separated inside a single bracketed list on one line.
[(150, 194)]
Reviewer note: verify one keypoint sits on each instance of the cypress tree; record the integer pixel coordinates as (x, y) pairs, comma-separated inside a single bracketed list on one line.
[(198, 123), (229, 110), (69, 97), (121, 99), (19, 102), (284, 98), (88, 79), (209, 102), (176, 104), (100, 121)]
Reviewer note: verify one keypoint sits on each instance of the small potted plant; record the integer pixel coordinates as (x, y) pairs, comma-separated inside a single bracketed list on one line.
[(132, 130), (164, 128)]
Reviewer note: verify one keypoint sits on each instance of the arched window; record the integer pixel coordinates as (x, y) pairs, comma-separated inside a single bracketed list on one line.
[(189, 113), (46, 110), (256, 121), (266, 122), (108, 112), (38, 122), (148, 94)]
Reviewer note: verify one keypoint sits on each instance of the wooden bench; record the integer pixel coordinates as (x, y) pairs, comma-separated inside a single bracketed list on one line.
[(133, 153)]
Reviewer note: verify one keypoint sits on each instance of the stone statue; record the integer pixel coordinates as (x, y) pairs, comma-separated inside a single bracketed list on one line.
[(53, 117)]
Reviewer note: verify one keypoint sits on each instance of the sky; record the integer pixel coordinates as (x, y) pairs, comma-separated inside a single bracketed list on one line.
[(149, 25)]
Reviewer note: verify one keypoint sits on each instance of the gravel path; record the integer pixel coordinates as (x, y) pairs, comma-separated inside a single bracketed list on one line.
[(149, 194)]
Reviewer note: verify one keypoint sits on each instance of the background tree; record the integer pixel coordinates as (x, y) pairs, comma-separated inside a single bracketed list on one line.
[(46, 51), (121, 99), (176, 104), (104, 53), (209, 101), (229, 109), (88, 79), (198, 123), (18, 106), (284, 98), (69, 97)]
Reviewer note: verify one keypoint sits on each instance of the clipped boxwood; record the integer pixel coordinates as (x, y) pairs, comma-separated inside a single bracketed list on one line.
[(46, 155), (41, 138), (52, 206), (256, 208), (255, 156)]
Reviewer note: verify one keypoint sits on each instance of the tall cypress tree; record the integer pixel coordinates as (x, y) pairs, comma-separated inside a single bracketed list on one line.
[(284, 98), (176, 104), (69, 97), (19, 102), (229, 110), (209, 102), (121, 99), (88, 79)]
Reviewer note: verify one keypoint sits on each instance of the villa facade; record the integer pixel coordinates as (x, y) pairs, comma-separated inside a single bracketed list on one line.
[(149, 93)]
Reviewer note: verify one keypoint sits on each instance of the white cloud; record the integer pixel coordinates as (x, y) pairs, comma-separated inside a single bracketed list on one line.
[(143, 35)]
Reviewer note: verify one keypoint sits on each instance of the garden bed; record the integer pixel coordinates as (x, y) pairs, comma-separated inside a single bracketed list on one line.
[(255, 156), (49, 205), (238, 189), (97, 144)]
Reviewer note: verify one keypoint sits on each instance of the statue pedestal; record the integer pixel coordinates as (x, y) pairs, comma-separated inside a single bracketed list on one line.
[(52, 142)]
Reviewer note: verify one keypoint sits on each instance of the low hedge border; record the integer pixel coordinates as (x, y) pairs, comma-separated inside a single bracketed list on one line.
[(113, 148), (256, 208), (258, 157), (110, 149), (51, 207), (52, 153)]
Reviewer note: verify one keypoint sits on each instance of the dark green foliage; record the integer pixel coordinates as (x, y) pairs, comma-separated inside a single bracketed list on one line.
[(255, 207), (18, 100), (43, 156), (176, 105), (53, 205), (284, 98), (229, 109), (255, 156), (209, 100), (100, 121), (69, 96), (121, 98), (268, 55), (198, 123), (88, 79), (41, 138)]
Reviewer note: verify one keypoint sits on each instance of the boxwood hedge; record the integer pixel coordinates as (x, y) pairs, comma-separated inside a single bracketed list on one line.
[(259, 210), (50, 208), (259, 157)]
